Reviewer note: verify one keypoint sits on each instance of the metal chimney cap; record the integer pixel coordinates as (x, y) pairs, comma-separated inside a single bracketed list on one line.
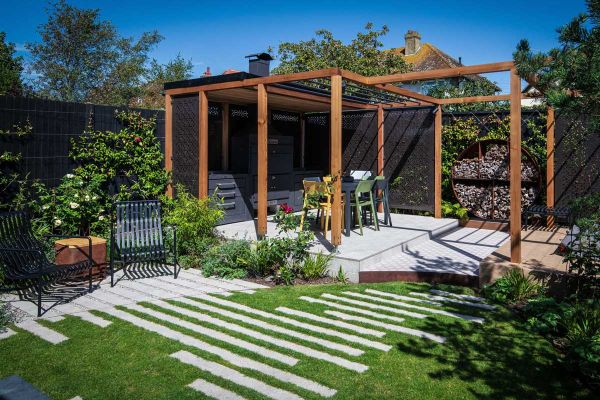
[(261, 56)]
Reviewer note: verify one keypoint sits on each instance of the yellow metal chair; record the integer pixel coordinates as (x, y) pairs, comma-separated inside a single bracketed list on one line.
[(318, 196)]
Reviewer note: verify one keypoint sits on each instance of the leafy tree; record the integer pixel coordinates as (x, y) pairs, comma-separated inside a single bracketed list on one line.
[(569, 75), (467, 88), (156, 76), (363, 55), (10, 68), (82, 58)]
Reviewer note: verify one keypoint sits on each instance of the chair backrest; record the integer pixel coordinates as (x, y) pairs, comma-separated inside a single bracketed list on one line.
[(316, 187), (364, 186), (138, 233), (16, 233)]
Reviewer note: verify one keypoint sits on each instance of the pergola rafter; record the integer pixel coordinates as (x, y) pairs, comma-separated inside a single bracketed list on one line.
[(284, 91)]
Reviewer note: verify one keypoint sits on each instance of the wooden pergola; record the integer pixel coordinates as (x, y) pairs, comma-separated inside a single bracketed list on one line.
[(268, 92)]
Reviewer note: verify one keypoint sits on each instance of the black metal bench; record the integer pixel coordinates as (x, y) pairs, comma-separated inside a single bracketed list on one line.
[(137, 237), (24, 263), (563, 213)]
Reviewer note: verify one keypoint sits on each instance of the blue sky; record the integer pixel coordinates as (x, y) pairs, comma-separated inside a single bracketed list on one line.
[(220, 33)]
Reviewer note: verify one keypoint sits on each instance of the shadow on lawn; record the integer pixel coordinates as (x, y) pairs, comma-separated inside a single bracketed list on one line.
[(511, 362)]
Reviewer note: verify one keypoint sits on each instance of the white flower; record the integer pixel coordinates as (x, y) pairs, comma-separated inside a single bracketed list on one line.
[(76, 195), (73, 205), (57, 222), (87, 197), (94, 197), (70, 176), (45, 207), (101, 218)]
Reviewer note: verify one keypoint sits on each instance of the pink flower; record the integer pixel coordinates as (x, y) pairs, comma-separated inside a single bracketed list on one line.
[(138, 139), (286, 208)]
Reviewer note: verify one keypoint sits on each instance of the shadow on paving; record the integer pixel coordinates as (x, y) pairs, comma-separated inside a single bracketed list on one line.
[(501, 354)]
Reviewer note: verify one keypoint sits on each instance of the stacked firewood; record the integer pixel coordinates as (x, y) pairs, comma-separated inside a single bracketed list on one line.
[(491, 201), (488, 198)]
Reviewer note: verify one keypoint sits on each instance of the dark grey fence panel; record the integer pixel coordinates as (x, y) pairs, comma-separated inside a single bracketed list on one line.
[(45, 152), (577, 160), (359, 141), (409, 157)]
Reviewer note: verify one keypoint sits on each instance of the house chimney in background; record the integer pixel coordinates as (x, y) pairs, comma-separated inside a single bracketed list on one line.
[(207, 72), (412, 42), (258, 64)]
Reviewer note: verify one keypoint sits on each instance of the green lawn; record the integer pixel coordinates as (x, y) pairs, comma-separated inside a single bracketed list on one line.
[(496, 360)]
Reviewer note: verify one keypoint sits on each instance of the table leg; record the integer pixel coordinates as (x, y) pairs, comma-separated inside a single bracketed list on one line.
[(348, 213)]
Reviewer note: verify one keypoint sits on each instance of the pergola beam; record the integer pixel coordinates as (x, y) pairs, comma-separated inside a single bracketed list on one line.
[(437, 163), (407, 93), (262, 148), (169, 140), (441, 73), (515, 167), (316, 98), (335, 159), (202, 145)]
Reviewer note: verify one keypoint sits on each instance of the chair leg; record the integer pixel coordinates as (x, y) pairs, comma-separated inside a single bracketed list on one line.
[(326, 211), (359, 213), (373, 213), (302, 219)]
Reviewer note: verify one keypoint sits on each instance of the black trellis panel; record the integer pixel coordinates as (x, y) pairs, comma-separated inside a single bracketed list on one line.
[(359, 141), (409, 157), (185, 142), (576, 160)]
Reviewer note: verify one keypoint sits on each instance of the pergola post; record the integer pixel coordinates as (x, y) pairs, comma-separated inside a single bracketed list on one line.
[(515, 167), (437, 169), (335, 159), (262, 148), (380, 147), (202, 145), (225, 136), (550, 122), (169, 140)]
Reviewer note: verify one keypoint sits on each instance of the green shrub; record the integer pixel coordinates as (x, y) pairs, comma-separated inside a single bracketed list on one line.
[(514, 287), (341, 276), (544, 314), (195, 220), (582, 336), (229, 260), (315, 267), (286, 274), (455, 210)]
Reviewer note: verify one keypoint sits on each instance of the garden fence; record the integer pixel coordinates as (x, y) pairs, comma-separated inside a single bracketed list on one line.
[(45, 152)]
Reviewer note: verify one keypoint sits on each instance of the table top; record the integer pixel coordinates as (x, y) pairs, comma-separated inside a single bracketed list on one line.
[(79, 242)]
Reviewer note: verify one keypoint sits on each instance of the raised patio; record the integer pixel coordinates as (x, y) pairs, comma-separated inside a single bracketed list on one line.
[(415, 248)]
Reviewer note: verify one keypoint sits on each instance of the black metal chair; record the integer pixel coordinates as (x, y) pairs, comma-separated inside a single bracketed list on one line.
[(24, 263), (137, 237)]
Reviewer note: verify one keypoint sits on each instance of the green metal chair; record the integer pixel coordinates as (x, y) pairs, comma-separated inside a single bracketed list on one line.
[(363, 197)]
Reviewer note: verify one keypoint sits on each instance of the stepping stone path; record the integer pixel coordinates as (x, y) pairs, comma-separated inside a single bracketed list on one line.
[(420, 308), (42, 332), (235, 376), (5, 334), (338, 335), (212, 390), (226, 355), (276, 328), (307, 351), (455, 301)]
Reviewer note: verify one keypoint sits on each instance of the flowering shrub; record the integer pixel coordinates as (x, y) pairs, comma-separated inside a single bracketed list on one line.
[(74, 207), (132, 155)]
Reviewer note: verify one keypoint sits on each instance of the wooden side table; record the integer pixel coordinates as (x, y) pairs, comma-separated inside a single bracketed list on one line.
[(74, 250)]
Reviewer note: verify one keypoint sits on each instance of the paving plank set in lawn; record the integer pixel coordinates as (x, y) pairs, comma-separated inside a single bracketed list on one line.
[(275, 328)]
